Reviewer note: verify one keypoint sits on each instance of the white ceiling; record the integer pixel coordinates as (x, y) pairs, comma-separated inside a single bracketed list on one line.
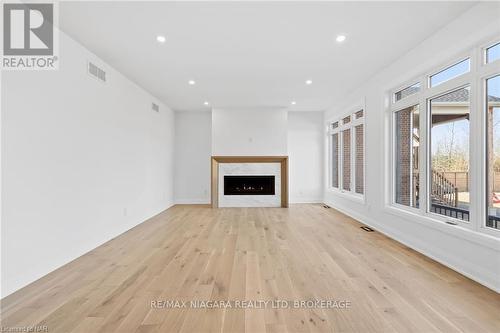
[(252, 54)]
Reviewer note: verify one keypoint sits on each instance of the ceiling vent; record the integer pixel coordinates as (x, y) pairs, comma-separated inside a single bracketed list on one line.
[(96, 72), (155, 107)]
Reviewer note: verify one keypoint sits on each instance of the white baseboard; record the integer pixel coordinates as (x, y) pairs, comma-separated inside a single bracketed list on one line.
[(305, 200), (192, 201)]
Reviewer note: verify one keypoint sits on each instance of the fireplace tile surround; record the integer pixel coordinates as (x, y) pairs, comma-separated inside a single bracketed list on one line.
[(276, 166)]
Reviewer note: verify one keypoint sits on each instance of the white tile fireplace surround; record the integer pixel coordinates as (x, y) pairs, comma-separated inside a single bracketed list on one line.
[(250, 169)]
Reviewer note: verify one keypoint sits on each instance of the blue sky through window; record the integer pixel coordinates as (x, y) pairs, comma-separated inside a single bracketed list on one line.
[(493, 53), (494, 86), (450, 72)]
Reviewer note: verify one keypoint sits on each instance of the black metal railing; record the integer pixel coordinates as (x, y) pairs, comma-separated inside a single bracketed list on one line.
[(462, 214), (493, 222), (454, 212)]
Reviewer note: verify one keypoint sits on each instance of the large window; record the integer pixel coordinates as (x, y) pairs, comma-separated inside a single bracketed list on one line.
[(407, 144), (445, 142), (359, 158), (334, 144), (347, 154), (449, 159), (493, 151), (346, 159)]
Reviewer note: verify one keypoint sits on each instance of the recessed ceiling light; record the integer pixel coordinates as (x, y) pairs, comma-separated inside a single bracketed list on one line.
[(293, 103), (206, 103), (309, 82), (340, 38), (191, 82), (160, 39)]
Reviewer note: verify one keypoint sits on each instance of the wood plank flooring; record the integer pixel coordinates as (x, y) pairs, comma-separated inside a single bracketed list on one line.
[(302, 253)]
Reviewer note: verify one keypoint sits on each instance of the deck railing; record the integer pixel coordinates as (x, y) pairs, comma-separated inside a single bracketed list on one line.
[(443, 190)]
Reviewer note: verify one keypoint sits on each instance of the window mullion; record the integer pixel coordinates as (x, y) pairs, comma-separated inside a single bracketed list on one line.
[(477, 143), (424, 160), (353, 158)]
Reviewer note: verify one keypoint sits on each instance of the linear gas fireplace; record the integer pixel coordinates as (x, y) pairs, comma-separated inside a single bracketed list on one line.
[(249, 185), (249, 181)]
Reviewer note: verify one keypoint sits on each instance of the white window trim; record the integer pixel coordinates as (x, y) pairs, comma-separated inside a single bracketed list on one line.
[(484, 47), (407, 84), (341, 127), (476, 79), (448, 66), (393, 164)]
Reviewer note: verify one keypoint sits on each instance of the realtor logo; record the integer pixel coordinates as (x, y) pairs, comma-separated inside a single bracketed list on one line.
[(28, 36)]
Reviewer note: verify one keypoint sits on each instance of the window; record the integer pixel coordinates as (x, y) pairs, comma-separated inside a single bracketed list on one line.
[(493, 151), (406, 156), (442, 133), (451, 72), (359, 158), (335, 160), (408, 91), (346, 159), (449, 161), (347, 153), (493, 53)]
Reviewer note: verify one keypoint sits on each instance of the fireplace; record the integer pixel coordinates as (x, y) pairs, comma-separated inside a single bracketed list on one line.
[(249, 181), (249, 185)]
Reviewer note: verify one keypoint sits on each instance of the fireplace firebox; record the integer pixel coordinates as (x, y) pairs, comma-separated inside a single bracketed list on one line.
[(249, 185)]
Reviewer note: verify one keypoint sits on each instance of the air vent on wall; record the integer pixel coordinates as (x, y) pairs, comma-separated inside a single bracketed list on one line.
[(97, 72), (155, 107)]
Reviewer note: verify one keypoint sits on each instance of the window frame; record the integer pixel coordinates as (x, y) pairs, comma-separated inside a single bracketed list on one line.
[(476, 78), (351, 125), (330, 134), (403, 87), (428, 157), (393, 160), (485, 52), (483, 99), (446, 67)]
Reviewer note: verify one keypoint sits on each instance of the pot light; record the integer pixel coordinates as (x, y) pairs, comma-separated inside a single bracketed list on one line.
[(293, 103), (160, 39), (340, 38), (309, 82), (206, 103), (191, 82)]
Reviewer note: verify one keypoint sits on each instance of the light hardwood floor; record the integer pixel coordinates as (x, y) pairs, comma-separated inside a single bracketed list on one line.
[(301, 253)]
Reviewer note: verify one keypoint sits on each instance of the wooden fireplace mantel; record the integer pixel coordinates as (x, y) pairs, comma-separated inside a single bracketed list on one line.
[(283, 160)]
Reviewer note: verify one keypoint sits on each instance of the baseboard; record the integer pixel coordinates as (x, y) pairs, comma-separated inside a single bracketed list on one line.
[(192, 201), (482, 278), (305, 200)]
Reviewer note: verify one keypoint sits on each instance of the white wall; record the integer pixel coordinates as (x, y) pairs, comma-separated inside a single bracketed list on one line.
[(82, 162), (249, 132), (305, 151), (193, 150), (473, 254)]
